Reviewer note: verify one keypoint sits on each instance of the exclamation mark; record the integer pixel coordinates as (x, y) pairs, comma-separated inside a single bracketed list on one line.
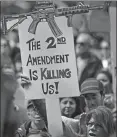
[(56, 85)]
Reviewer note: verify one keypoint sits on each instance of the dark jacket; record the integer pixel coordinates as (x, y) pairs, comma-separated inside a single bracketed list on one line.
[(93, 66)]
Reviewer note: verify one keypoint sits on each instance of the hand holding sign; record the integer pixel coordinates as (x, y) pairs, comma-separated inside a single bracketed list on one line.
[(25, 81)]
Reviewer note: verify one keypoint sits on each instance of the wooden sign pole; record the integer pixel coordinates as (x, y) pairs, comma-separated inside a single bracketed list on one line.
[(50, 64)]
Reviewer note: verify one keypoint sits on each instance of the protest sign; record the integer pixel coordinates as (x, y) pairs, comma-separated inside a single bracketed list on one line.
[(48, 61), (50, 64)]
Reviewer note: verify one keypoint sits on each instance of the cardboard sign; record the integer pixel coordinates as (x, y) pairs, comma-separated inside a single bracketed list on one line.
[(50, 64), (49, 61)]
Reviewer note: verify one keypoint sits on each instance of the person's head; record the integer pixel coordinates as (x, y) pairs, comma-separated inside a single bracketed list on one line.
[(5, 47), (105, 49), (68, 106), (18, 63), (36, 113), (83, 43), (100, 122), (13, 38), (16, 59), (109, 101), (92, 90), (105, 77)]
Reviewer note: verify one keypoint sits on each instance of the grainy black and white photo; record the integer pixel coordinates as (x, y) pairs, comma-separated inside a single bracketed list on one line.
[(58, 68)]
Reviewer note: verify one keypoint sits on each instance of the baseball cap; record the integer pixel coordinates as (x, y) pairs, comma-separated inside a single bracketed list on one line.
[(91, 85)]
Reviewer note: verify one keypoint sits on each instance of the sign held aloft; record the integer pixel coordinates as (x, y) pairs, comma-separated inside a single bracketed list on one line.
[(49, 61)]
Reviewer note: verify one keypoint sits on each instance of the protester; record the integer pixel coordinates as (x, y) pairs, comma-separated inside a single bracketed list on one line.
[(5, 52), (105, 77), (5, 46), (18, 64), (71, 106), (8, 88), (109, 101), (105, 54), (11, 115), (68, 106), (37, 124), (87, 62), (93, 92), (84, 42), (100, 122)]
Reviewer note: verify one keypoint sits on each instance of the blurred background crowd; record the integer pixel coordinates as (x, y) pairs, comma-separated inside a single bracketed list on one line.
[(93, 57)]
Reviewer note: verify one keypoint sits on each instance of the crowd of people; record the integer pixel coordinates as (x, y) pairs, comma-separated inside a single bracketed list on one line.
[(92, 114)]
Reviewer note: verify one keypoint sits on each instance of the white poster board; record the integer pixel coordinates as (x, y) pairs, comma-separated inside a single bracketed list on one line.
[(50, 64)]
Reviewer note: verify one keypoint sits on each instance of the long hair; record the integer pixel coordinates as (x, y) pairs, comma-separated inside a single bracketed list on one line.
[(103, 116), (78, 109), (107, 73)]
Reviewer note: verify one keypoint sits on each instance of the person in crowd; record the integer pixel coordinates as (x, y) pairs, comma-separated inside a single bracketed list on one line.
[(5, 54), (105, 54), (105, 77), (13, 38), (99, 122), (37, 124), (87, 62), (16, 58), (11, 117), (105, 49), (18, 64), (70, 126), (84, 43), (109, 102), (93, 92), (69, 106), (5, 47)]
